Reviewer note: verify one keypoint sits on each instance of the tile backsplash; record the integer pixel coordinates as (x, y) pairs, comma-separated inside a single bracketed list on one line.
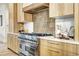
[(42, 23), (63, 25)]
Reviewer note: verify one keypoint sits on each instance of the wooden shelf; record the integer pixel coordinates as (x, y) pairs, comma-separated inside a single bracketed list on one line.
[(33, 8)]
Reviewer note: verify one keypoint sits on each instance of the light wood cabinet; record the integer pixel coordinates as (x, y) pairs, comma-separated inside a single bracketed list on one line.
[(9, 37), (69, 49), (43, 42), (43, 51), (60, 9), (68, 8), (13, 43), (76, 21), (50, 48), (13, 27), (16, 44), (20, 13), (22, 17), (28, 17), (43, 48), (54, 44), (55, 48), (11, 17)]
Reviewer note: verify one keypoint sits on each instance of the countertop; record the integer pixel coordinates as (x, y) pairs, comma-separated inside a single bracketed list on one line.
[(13, 33), (59, 40)]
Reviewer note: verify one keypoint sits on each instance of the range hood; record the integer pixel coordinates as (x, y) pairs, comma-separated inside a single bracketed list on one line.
[(35, 7)]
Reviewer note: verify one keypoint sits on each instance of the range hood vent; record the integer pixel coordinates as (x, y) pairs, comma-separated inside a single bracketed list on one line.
[(33, 8)]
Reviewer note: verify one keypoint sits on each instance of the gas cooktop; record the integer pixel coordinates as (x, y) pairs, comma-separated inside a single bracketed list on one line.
[(37, 34)]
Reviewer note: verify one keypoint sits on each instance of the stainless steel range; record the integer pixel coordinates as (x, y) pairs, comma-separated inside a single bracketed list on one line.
[(29, 43)]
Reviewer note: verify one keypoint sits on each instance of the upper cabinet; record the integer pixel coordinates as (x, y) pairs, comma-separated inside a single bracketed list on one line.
[(22, 17), (60, 9), (20, 12), (76, 21), (13, 17), (68, 8)]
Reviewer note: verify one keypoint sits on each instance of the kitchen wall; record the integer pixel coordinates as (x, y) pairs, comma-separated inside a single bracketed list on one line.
[(42, 23), (5, 18)]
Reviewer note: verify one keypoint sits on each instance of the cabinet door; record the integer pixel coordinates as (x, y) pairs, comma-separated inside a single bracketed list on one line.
[(20, 13), (54, 9), (54, 48), (60, 9), (69, 49), (13, 43), (68, 8), (9, 41), (11, 17), (16, 44), (43, 47)]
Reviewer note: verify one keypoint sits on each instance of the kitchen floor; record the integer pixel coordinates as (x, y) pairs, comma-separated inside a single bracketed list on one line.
[(4, 51), (3, 46)]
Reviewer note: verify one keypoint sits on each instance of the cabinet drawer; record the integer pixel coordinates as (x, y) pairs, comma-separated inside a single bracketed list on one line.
[(54, 53), (69, 47), (53, 44)]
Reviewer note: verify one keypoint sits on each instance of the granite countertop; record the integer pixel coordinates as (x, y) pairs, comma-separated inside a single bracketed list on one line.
[(59, 40)]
